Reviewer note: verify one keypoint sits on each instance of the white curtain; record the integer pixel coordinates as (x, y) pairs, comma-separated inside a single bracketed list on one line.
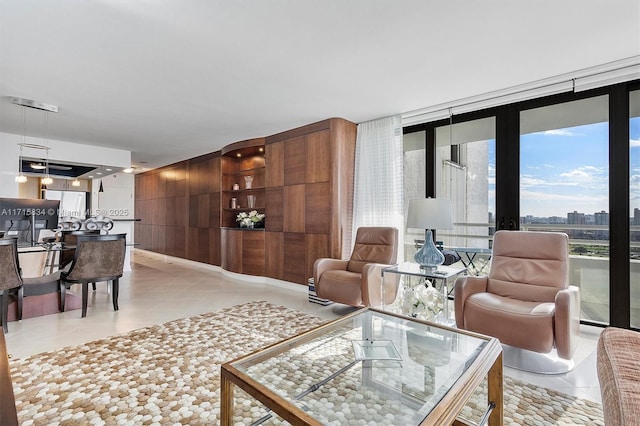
[(377, 199)]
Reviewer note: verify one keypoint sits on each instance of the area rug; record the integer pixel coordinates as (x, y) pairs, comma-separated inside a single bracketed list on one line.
[(170, 374)]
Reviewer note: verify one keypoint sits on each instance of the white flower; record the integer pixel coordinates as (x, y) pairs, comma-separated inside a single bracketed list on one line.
[(422, 301), (247, 218)]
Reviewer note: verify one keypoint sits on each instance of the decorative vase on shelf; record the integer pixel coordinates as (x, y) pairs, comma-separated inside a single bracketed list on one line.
[(248, 181)]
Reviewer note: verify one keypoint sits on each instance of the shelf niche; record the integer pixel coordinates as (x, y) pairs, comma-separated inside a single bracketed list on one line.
[(239, 160)]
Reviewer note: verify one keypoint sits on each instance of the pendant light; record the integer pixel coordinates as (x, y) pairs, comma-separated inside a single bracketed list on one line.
[(47, 179), (21, 178)]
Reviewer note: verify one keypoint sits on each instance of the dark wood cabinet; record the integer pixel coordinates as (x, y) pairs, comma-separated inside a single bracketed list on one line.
[(310, 187), (302, 180)]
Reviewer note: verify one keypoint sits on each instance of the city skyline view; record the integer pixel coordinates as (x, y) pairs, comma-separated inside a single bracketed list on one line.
[(567, 170)]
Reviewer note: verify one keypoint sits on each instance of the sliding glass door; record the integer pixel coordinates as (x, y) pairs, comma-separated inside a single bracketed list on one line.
[(634, 205), (564, 186)]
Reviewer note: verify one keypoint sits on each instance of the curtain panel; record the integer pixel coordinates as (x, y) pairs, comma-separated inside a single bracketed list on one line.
[(378, 181)]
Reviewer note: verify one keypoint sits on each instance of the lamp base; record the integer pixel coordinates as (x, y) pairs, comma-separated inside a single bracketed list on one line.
[(429, 257)]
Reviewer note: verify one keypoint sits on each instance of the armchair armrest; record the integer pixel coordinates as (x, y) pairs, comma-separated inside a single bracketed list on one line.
[(567, 321), (464, 287), (326, 264), (372, 285)]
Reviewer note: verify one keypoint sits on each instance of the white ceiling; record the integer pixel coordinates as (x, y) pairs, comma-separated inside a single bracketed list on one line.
[(173, 79)]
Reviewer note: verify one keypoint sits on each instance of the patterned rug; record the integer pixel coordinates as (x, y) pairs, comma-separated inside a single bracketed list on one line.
[(169, 374)]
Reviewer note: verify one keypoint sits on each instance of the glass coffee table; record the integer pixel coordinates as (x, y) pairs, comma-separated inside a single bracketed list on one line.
[(370, 365)]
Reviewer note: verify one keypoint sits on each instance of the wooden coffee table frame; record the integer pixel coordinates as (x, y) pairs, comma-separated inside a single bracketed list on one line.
[(488, 364)]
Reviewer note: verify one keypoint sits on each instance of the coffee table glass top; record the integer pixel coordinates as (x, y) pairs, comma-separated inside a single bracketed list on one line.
[(369, 365)]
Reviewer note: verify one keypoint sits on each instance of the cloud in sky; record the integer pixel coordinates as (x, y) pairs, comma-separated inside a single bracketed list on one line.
[(559, 132), (634, 143)]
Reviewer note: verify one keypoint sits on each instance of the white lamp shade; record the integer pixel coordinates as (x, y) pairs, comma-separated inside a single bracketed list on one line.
[(430, 213)]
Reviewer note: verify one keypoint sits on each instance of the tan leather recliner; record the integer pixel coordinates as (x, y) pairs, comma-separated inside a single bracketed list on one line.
[(526, 301), (357, 281)]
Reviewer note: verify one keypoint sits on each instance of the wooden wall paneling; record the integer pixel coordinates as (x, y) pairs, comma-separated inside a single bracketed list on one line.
[(343, 146), (137, 187), (214, 177), (171, 211), (274, 156), (181, 211), (274, 209), (162, 239), (193, 247), (273, 247), (231, 255), (294, 220), (155, 237), (214, 246), (159, 211), (253, 252), (294, 249), (181, 178), (204, 206), (180, 233), (317, 247), (143, 235), (170, 240), (317, 208), (193, 210), (318, 157), (294, 161), (170, 180), (161, 182), (152, 188), (214, 210)]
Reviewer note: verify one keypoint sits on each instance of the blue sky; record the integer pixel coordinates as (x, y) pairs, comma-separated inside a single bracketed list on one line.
[(568, 169)]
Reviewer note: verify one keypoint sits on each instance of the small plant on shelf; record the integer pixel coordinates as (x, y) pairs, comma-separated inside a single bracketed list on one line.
[(253, 219)]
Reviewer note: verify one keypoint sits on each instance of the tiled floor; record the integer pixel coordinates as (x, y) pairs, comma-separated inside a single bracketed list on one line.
[(160, 289)]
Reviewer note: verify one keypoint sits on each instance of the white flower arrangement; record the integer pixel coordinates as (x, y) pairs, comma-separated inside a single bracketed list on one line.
[(248, 220), (423, 301)]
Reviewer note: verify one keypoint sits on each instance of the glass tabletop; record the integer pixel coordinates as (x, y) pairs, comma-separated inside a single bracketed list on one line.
[(369, 365), (410, 268)]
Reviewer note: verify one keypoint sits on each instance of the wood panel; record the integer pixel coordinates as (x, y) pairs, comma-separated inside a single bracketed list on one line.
[(294, 161), (231, 255), (274, 246), (294, 249), (318, 157), (318, 208), (214, 246), (317, 247), (253, 252), (274, 209), (274, 156), (294, 197)]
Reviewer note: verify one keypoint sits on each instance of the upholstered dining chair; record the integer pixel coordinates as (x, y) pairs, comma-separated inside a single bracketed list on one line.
[(526, 300), (358, 280), (10, 280), (97, 258)]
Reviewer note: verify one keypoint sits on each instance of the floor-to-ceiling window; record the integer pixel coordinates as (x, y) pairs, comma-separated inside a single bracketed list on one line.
[(465, 174), (564, 183), (634, 205), (560, 162)]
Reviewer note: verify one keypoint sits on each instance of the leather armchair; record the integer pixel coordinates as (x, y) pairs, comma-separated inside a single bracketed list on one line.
[(357, 281), (526, 301)]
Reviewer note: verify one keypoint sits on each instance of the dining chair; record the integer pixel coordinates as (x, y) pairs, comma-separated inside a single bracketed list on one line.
[(10, 273), (97, 258)]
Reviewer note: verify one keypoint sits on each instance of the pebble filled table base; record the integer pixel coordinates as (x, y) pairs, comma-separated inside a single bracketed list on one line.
[(318, 377)]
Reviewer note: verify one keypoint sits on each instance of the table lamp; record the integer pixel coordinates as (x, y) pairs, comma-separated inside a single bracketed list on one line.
[(428, 214)]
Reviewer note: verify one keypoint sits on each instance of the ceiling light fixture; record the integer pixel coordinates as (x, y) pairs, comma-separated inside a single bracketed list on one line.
[(47, 179), (128, 170), (21, 178), (75, 182)]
